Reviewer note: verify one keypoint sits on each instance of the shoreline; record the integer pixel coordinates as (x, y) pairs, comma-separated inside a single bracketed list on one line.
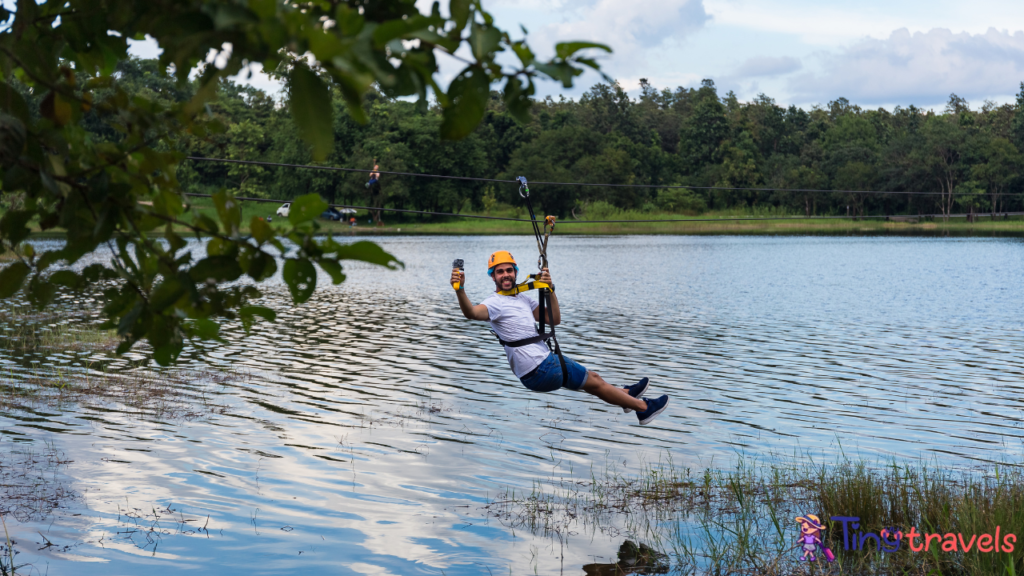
[(981, 228)]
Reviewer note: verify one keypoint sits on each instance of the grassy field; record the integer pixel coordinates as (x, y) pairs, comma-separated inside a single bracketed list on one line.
[(715, 222), (410, 224)]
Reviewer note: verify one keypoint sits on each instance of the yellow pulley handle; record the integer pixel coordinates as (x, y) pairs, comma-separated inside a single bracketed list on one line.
[(531, 285)]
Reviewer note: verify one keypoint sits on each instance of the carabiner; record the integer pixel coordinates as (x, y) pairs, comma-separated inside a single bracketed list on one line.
[(523, 186)]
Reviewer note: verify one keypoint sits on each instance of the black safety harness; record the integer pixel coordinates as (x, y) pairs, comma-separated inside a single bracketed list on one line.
[(543, 234)]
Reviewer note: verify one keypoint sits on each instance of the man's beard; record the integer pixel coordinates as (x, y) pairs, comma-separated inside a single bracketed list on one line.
[(506, 283)]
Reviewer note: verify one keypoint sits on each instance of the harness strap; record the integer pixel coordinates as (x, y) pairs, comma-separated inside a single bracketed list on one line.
[(531, 285), (524, 341), (540, 338)]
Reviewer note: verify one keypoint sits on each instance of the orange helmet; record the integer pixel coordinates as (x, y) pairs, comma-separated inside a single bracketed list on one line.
[(500, 257)]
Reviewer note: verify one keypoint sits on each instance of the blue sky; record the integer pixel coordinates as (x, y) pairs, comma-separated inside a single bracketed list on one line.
[(873, 52)]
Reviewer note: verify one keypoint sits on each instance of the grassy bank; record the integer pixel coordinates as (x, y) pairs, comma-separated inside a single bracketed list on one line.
[(742, 521), (412, 224), (983, 227), (714, 222)]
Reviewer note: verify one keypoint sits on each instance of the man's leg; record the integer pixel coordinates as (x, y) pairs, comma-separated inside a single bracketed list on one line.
[(598, 387)]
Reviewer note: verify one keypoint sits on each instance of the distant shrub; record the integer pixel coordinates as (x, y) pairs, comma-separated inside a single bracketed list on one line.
[(489, 201), (680, 200), (601, 210)]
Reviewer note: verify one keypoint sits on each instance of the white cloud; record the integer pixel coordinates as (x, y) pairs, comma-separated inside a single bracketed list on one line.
[(631, 28), (767, 66), (818, 24), (919, 68)]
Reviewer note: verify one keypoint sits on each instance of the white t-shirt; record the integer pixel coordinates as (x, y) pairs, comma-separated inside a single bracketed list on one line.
[(512, 319)]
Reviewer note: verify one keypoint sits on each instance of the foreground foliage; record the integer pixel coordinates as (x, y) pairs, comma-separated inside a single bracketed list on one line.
[(59, 88)]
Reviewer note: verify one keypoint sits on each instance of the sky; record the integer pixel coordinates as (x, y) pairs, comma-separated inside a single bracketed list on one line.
[(875, 53)]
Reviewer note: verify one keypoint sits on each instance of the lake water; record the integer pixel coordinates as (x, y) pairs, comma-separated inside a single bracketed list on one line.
[(374, 422)]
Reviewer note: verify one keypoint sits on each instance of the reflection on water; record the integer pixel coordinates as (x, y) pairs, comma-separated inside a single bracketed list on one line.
[(374, 422)]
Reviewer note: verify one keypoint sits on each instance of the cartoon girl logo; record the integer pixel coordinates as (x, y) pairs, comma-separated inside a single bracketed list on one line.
[(810, 538)]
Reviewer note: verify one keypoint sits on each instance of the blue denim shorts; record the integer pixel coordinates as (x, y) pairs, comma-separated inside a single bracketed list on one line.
[(548, 376)]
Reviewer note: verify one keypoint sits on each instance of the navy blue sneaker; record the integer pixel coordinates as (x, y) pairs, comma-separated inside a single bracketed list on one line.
[(637, 391), (654, 407)]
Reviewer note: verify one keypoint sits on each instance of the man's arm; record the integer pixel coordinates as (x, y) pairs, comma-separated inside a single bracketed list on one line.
[(478, 312), (554, 314)]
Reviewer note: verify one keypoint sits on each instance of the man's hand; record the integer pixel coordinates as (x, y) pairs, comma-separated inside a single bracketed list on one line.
[(553, 313), (545, 277), (459, 277)]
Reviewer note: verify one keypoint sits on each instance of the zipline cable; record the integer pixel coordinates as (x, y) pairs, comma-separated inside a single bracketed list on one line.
[(654, 221), (590, 184), (542, 263)]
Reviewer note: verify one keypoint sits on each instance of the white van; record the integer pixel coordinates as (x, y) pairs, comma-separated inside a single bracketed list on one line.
[(284, 209)]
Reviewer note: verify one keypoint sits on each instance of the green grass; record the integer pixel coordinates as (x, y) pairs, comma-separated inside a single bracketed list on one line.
[(741, 520), (395, 223)]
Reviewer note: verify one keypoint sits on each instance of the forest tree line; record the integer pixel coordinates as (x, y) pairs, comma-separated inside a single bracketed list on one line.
[(683, 137)]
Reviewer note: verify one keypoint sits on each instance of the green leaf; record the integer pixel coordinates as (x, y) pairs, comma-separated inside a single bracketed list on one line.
[(389, 30), (167, 293), (484, 40), (561, 71), (258, 264), (566, 49), (66, 278), (262, 311), (13, 225), (246, 313), (260, 230), (12, 103), (366, 251), (305, 208), (221, 247), (56, 109), (311, 109), (205, 223), (49, 257), (468, 95), (524, 53), (325, 45), (176, 242), (168, 203), (40, 292), (333, 269), (94, 272), (11, 278), (300, 275), (228, 209), (12, 140), (265, 9), (349, 20), (164, 355), (205, 328), (216, 269), (459, 10), (517, 99)]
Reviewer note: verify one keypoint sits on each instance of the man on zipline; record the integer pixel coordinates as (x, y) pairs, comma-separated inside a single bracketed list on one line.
[(538, 368)]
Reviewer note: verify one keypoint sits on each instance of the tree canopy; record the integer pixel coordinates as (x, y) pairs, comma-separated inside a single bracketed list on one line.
[(680, 137)]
